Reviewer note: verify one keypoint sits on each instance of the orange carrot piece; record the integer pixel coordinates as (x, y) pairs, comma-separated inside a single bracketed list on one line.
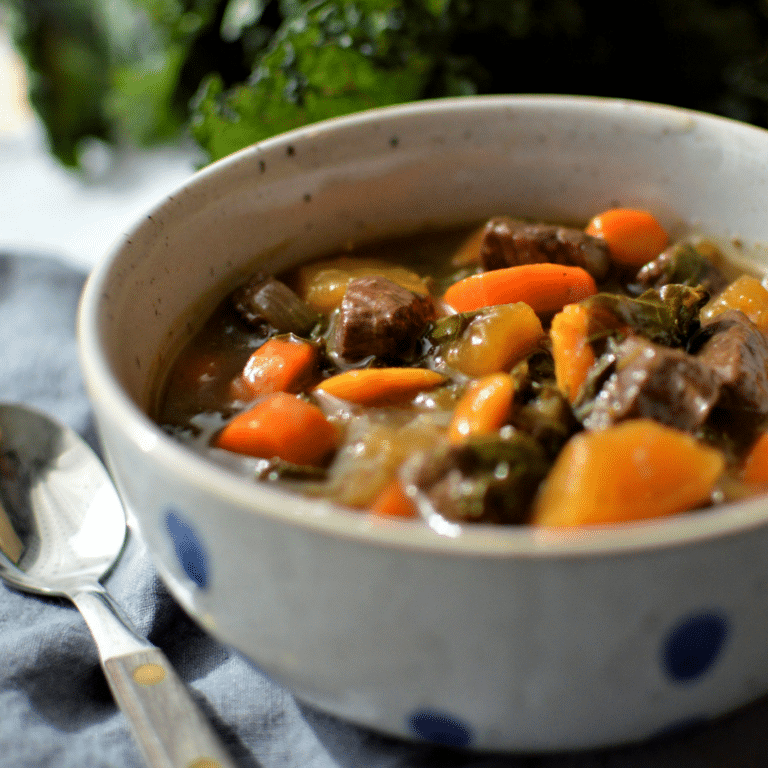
[(393, 501), (283, 426), (755, 467), (545, 287), (281, 364), (636, 470), (380, 386), (634, 237), (572, 353), (483, 408)]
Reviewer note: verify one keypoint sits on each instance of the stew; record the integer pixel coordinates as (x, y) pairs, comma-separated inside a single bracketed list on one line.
[(516, 372)]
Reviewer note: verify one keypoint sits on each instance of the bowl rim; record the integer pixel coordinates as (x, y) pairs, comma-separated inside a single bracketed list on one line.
[(478, 540)]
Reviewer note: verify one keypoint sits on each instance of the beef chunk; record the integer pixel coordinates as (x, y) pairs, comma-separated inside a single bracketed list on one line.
[(726, 368), (735, 348), (380, 318), (265, 300), (656, 382), (682, 264), (489, 479), (508, 242)]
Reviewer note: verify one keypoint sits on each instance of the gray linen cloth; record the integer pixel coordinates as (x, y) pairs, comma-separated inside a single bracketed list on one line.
[(55, 705)]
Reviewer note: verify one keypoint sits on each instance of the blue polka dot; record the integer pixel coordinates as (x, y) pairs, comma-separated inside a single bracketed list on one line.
[(693, 646), (189, 550), (440, 728)]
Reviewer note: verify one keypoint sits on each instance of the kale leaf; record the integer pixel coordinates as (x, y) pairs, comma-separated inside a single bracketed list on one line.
[(330, 59), (234, 71), (666, 316)]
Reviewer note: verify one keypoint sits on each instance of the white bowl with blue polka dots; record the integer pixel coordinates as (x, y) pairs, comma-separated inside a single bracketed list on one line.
[(493, 638)]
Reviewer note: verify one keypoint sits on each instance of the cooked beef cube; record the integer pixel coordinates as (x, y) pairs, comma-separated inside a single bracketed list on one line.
[(265, 300), (489, 479), (508, 242), (735, 348), (380, 318), (656, 382), (682, 264)]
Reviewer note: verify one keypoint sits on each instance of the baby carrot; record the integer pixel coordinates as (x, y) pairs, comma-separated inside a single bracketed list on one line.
[(483, 408), (281, 364), (380, 386), (283, 426), (545, 287), (572, 353), (634, 237), (393, 501)]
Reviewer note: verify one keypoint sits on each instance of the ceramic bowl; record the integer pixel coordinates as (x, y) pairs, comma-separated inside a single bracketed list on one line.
[(496, 638)]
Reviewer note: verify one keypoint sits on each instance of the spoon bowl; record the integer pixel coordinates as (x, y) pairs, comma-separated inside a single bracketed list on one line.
[(64, 522), (62, 528)]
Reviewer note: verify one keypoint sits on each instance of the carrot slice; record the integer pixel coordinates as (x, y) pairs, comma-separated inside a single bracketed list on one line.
[(380, 386), (283, 426), (572, 353), (634, 237), (755, 467), (281, 364), (483, 409), (545, 287), (636, 470), (393, 501)]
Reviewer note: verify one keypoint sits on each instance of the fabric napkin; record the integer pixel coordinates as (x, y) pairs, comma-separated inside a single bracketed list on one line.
[(55, 705)]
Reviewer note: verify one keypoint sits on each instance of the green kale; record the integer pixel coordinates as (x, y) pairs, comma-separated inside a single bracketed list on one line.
[(666, 316), (122, 71), (235, 71), (330, 59), (65, 54)]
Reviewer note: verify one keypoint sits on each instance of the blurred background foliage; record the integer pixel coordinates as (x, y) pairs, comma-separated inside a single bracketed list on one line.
[(230, 72)]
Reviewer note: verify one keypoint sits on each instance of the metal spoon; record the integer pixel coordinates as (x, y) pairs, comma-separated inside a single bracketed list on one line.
[(62, 527)]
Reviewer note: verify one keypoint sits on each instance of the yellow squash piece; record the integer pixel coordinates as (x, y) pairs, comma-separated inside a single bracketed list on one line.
[(495, 340), (322, 283), (745, 293), (635, 470)]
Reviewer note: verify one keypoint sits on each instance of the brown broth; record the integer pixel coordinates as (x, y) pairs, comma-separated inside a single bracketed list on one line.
[(197, 398)]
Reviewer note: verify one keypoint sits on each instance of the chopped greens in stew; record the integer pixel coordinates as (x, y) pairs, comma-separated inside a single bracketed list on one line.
[(519, 373)]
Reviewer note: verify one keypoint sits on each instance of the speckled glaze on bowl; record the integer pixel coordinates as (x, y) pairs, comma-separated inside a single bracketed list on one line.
[(498, 638)]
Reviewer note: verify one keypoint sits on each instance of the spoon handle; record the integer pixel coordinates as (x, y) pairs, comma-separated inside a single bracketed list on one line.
[(167, 723)]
